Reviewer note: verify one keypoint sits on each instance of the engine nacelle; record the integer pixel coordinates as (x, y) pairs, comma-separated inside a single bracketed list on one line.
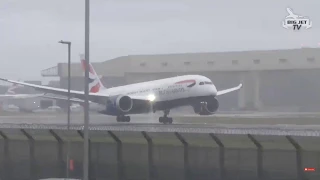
[(118, 105), (207, 107)]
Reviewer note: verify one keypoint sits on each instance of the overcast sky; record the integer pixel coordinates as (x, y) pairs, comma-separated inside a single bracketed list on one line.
[(30, 29)]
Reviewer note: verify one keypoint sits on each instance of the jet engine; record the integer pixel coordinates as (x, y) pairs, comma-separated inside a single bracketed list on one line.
[(118, 104), (207, 107)]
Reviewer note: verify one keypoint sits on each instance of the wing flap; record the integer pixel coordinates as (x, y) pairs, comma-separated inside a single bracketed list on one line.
[(65, 99), (229, 90)]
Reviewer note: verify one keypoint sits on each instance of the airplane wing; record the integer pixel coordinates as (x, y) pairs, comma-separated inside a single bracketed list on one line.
[(94, 97), (65, 99), (19, 96), (229, 90), (80, 101)]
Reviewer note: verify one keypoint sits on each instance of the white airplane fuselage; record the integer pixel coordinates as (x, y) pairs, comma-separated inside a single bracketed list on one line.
[(167, 89), (166, 93)]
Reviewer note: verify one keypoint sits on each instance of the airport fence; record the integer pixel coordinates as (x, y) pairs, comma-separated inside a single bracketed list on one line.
[(29, 153)]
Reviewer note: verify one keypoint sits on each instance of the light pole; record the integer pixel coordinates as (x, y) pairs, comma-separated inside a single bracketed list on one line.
[(86, 92), (69, 104)]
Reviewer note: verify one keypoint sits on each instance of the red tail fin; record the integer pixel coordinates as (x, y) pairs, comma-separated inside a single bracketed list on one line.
[(95, 84)]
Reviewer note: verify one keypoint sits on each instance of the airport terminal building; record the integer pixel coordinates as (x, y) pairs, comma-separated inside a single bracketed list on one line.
[(277, 80)]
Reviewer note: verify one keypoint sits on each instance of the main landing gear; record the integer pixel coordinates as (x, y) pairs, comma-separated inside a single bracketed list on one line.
[(165, 119), (123, 118)]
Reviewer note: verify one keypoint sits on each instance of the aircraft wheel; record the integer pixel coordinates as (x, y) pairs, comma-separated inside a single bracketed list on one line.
[(170, 120), (165, 120), (127, 118), (123, 118)]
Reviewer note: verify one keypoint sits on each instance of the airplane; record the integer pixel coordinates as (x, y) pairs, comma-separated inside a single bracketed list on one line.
[(25, 102), (10, 94), (94, 77), (141, 98), (292, 15)]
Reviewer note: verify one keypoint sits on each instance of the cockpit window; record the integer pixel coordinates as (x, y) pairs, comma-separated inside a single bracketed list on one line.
[(205, 82)]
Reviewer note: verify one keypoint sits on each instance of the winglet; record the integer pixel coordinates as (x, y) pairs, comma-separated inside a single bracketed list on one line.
[(229, 90)]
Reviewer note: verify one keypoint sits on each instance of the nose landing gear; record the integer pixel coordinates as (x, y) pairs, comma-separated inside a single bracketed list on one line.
[(123, 118), (165, 119)]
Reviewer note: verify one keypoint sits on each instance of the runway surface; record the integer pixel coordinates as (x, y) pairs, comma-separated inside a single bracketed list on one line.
[(251, 119)]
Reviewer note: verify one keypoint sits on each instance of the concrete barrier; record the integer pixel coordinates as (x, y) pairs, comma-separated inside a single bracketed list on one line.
[(41, 153)]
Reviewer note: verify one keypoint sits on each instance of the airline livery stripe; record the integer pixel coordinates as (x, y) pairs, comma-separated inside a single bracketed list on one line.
[(186, 81), (191, 81)]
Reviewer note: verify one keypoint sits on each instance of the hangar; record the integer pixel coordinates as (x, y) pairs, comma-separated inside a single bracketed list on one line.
[(277, 80)]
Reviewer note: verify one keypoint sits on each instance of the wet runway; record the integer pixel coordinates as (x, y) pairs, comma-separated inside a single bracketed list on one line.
[(251, 119)]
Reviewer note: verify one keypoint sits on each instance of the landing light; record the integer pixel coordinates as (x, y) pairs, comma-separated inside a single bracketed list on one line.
[(151, 97)]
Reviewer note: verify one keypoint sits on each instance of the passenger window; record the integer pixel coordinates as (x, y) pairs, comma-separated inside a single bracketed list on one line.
[(201, 83)]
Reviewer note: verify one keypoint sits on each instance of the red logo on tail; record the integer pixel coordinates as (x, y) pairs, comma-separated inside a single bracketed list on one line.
[(95, 88), (83, 63)]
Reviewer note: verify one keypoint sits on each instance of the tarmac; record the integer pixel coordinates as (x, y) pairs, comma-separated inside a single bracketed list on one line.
[(266, 118)]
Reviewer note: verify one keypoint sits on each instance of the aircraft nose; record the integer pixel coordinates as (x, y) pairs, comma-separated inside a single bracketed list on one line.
[(213, 90)]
